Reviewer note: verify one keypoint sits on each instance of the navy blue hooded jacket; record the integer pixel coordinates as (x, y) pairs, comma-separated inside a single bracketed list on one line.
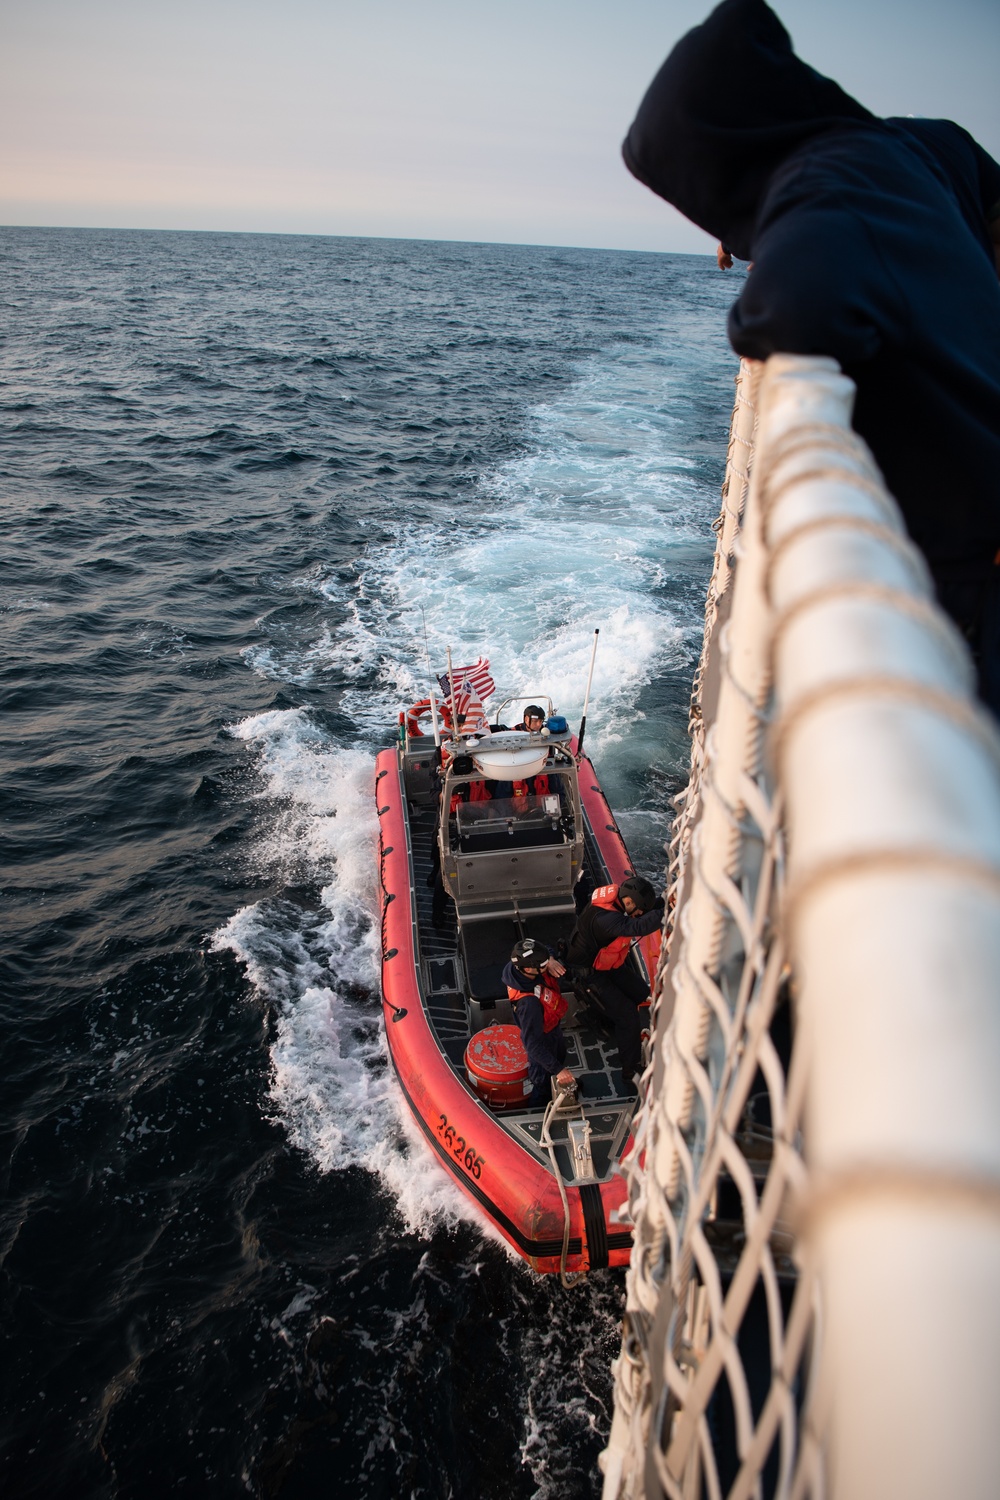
[(868, 240), (546, 1049)]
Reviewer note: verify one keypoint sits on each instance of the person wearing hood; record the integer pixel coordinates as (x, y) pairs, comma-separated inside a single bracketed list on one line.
[(873, 241)]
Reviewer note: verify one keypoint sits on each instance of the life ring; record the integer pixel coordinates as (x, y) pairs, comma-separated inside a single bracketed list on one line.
[(413, 716)]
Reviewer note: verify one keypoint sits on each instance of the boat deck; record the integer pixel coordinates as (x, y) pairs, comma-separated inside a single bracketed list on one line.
[(449, 975)]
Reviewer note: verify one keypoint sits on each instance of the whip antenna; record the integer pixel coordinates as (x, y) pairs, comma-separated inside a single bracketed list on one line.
[(586, 700)]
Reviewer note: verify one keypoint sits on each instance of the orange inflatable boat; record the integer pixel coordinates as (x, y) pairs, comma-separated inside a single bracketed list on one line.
[(485, 840)]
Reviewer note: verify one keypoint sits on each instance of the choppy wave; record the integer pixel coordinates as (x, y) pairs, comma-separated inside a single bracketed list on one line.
[(330, 1082)]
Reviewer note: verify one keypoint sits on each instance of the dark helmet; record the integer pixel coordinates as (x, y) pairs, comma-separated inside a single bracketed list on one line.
[(462, 765), (641, 892), (529, 951), (534, 712)]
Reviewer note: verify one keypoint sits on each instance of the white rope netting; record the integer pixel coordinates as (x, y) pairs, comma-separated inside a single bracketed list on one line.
[(790, 1157)]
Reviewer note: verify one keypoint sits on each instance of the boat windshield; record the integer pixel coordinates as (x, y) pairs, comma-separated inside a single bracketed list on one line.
[(509, 821)]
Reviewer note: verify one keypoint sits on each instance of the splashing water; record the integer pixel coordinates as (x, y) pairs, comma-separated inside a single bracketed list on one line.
[(331, 1085)]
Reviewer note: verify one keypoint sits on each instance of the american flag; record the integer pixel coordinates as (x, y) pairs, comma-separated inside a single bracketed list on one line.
[(476, 678), (470, 712)]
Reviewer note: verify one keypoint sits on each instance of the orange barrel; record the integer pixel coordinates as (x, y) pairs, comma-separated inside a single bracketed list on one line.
[(497, 1065)]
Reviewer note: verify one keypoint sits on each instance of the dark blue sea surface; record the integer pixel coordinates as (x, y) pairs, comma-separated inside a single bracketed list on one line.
[(246, 482)]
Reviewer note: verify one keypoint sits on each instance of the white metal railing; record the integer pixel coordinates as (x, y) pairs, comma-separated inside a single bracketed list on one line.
[(813, 1302)]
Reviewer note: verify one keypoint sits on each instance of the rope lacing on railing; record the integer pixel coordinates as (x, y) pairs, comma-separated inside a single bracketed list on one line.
[(695, 1137), (729, 1376)]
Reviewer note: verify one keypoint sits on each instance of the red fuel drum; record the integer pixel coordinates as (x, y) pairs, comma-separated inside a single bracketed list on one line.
[(507, 1183), (497, 1065)]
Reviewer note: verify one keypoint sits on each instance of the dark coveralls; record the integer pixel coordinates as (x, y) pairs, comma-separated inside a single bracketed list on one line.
[(546, 1049), (871, 242), (617, 991)]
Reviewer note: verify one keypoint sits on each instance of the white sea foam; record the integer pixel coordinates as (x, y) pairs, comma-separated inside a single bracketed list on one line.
[(319, 969), (24, 606), (571, 535), (299, 667), (158, 639), (331, 1085), (566, 1378)]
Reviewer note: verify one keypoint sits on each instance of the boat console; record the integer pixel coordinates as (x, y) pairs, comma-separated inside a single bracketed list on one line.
[(518, 848)]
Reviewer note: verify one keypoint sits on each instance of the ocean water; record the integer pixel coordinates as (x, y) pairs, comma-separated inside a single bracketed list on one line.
[(247, 482)]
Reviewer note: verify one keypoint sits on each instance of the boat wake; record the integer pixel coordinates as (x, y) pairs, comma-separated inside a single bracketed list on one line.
[(572, 534), (317, 967)]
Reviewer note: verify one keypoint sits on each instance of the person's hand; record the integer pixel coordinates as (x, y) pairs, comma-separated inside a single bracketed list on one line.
[(554, 967), (724, 258), (565, 1079)]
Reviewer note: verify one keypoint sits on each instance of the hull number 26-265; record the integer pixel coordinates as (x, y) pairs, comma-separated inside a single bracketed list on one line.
[(460, 1151)]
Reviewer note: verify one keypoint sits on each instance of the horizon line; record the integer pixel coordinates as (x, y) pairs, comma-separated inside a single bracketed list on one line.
[(328, 235)]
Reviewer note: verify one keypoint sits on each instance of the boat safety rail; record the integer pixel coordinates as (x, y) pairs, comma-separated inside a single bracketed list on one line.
[(813, 1301)]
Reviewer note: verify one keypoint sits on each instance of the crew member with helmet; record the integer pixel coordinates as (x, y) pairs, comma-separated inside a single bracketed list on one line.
[(533, 723), (598, 949), (532, 980)]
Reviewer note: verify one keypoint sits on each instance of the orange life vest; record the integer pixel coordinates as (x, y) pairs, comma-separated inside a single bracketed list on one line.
[(521, 788), (650, 947), (554, 1004), (478, 792), (613, 954)]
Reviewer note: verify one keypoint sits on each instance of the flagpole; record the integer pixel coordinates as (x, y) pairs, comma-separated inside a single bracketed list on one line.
[(586, 699), (454, 700), (432, 679)]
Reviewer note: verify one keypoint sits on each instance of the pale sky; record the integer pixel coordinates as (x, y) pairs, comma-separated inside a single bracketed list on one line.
[(435, 119)]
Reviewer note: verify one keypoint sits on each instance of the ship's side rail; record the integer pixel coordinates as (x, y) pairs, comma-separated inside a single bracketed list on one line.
[(813, 1301)]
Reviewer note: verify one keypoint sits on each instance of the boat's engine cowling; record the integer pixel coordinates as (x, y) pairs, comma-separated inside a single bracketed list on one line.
[(496, 1065)]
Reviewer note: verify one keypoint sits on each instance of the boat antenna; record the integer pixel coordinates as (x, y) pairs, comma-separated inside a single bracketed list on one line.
[(430, 674), (586, 699)]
